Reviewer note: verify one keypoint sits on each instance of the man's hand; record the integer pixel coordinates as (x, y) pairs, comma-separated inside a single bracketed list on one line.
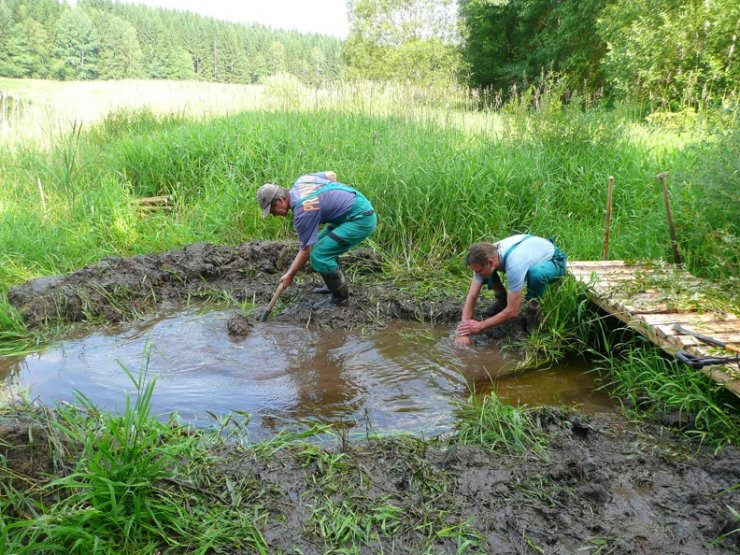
[(469, 327), (286, 279), (463, 341)]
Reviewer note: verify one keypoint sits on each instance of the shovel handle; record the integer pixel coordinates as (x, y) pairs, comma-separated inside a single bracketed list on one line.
[(274, 299)]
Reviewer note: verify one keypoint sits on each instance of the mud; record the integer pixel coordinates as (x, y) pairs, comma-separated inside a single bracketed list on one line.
[(117, 289), (603, 487)]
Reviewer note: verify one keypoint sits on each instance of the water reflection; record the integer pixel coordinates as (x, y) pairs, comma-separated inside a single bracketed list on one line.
[(408, 377)]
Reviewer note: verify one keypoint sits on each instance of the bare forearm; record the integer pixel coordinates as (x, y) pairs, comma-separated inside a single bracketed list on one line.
[(299, 261), (498, 319)]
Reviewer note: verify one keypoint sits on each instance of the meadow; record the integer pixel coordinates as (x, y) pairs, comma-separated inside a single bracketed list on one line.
[(443, 170)]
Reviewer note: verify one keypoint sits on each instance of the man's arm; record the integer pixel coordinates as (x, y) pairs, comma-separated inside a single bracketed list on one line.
[(298, 262), (467, 312), (471, 299), (473, 327)]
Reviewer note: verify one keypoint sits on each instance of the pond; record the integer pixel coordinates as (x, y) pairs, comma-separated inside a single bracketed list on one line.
[(406, 377)]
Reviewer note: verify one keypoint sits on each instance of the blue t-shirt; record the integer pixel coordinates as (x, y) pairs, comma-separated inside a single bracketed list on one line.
[(322, 208), (531, 252)]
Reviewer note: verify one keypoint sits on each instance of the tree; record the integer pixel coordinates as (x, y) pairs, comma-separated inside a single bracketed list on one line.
[(403, 40), (27, 47), (120, 53), (510, 42), (75, 46), (679, 50), (276, 57)]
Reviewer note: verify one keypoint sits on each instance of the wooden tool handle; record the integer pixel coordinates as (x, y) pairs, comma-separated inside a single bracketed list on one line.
[(275, 297)]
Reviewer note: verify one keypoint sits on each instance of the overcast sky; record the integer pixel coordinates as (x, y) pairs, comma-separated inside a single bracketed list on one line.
[(328, 17)]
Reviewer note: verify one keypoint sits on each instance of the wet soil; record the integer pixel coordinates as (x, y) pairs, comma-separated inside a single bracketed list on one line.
[(604, 486), (117, 289)]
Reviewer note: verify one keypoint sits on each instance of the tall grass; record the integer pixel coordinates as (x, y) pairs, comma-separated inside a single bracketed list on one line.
[(650, 385), (441, 178), (119, 497)]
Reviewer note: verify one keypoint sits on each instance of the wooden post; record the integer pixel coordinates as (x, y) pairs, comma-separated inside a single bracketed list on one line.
[(674, 242), (605, 249)]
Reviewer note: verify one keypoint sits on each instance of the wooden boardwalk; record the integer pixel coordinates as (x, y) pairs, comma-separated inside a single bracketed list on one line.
[(651, 299)]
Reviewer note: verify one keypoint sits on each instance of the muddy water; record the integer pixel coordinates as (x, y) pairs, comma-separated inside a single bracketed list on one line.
[(407, 377)]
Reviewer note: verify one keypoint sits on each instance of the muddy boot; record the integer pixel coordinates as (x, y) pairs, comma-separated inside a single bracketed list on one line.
[(337, 286), (324, 290), (532, 317)]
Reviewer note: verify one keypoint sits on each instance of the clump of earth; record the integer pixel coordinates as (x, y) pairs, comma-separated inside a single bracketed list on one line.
[(604, 486)]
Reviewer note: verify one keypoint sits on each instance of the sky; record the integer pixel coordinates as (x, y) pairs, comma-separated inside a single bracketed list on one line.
[(328, 17)]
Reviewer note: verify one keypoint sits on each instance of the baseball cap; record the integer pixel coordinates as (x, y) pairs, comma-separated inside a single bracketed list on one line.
[(265, 194)]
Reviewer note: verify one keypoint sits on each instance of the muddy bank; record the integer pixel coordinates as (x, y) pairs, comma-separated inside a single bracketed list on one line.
[(117, 289), (603, 487)]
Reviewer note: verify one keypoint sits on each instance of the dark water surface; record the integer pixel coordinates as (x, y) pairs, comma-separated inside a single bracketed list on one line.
[(407, 377)]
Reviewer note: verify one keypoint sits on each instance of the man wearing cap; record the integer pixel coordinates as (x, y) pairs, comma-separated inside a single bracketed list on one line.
[(524, 259), (319, 199)]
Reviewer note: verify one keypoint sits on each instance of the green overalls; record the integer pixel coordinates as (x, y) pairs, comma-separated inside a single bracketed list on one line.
[(341, 234)]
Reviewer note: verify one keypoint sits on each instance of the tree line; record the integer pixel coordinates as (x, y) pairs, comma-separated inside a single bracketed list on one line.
[(103, 39), (682, 51), (670, 51)]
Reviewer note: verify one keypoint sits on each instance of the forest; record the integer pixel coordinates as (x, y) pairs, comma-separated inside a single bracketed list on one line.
[(102, 39), (666, 52)]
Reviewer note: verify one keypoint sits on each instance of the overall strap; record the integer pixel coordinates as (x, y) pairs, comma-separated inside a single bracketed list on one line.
[(331, 186), (511, 249), (493, 278)]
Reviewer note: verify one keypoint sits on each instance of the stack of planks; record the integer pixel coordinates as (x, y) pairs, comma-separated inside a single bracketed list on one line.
[(653, 310), (153, 204)]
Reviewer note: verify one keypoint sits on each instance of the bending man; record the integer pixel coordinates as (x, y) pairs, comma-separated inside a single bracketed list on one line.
[(524, 259), (317, 199)]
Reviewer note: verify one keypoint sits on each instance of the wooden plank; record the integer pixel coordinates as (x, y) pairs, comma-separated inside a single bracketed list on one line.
[(731, 337), (653, 312), (705, 319), (595, 263)]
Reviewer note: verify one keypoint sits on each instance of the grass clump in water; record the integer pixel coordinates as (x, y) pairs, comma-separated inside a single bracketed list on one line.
[(490, 423), (128, 492)]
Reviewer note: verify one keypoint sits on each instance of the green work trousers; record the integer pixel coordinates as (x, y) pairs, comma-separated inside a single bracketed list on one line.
[(340, 235)]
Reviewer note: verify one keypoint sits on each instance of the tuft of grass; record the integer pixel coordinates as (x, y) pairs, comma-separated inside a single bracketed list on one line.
[(492, 424), (649, 385), (127, 491)]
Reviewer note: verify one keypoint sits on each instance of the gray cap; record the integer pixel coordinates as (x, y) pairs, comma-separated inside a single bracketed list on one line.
[(265, 194)]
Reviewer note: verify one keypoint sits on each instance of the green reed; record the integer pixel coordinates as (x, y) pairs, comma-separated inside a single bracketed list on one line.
[(132, 487), (651, 385)]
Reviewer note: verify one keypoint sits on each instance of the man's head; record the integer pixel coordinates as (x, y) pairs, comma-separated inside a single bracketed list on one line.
[(273, 199), (482, 259)]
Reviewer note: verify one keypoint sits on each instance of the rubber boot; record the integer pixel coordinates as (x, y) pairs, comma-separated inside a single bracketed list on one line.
[(324, 290), (338, 288)]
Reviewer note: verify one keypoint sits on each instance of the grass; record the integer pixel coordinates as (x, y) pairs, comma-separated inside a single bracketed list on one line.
[(128, 490), (442, 172), (649, 384), (499, 427)]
